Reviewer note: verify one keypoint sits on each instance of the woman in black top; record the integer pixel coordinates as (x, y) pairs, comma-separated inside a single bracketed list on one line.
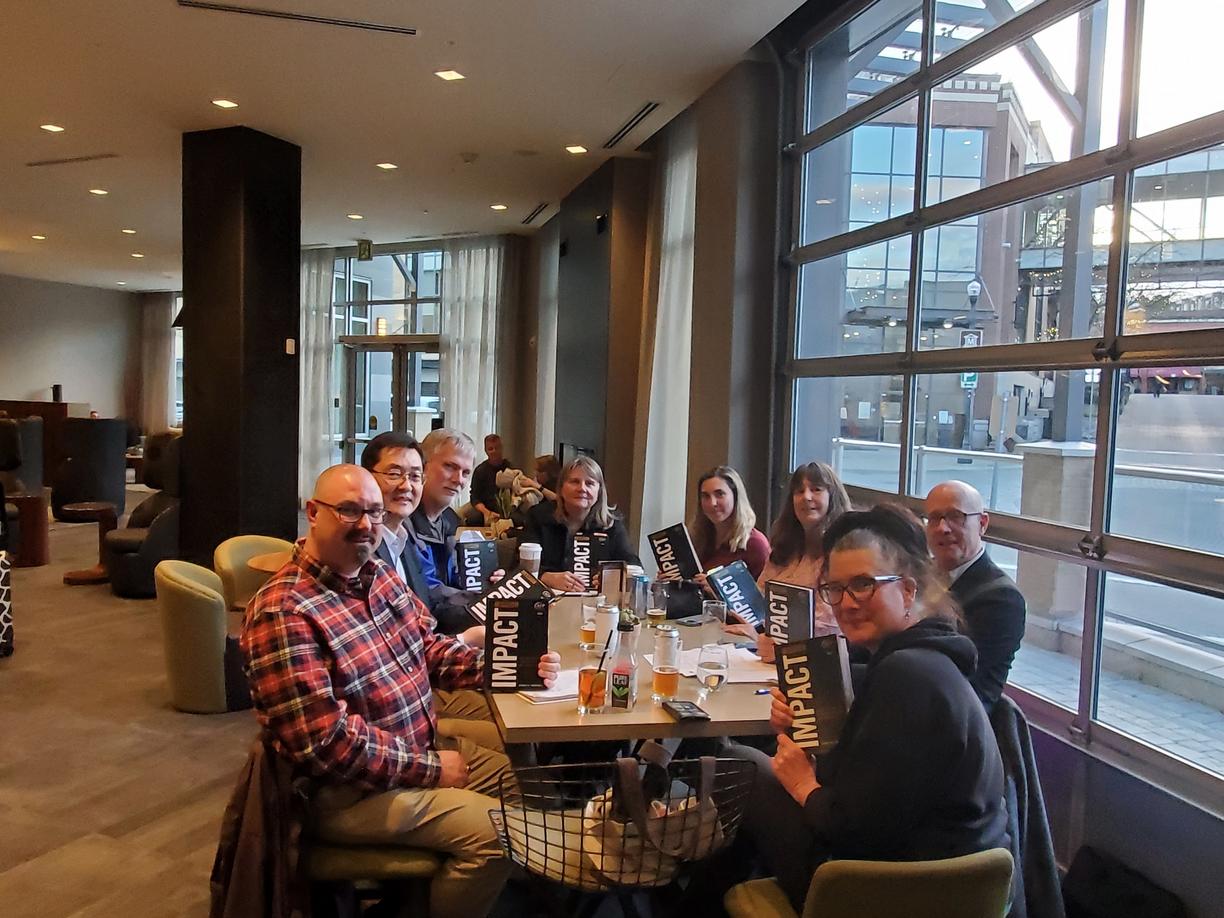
[(581, 506), (916, 774)]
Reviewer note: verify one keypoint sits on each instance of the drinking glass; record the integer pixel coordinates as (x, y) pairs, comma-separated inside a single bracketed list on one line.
[(586, 627), (712, 668), (714, 610), (656, 617), (665, 682), (592, 683), (660, 590)]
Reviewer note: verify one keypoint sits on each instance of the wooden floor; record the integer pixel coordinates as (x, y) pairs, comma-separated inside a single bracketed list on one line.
[(110, 800)]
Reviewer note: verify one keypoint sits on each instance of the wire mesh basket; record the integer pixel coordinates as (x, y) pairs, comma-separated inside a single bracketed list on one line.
[(621, 825)]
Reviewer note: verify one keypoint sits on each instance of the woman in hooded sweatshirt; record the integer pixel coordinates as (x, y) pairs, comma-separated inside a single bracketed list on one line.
[(916, 774)]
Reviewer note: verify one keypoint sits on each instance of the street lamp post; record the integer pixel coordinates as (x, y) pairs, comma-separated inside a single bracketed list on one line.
[(973, 290)]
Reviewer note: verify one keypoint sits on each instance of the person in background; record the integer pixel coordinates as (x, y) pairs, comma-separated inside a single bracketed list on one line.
[(817, 499), (724, 530), (484, 482), (342, 667), (991, 603), (546, 472), (581, 506), (449, 457), (916, 774)]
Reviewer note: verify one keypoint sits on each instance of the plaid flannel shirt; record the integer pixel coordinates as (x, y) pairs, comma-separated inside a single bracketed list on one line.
[(340, 673)]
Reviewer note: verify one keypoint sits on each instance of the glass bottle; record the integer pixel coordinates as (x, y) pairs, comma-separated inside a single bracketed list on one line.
[(623, 674)]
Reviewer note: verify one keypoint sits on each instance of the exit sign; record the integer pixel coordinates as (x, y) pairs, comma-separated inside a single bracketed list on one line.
[(969, 380)]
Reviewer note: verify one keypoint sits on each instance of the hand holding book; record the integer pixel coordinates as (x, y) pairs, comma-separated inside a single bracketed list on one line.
[(793, 769)]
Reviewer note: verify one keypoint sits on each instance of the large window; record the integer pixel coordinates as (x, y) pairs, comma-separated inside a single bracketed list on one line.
[(392, 294), (1009, 269)]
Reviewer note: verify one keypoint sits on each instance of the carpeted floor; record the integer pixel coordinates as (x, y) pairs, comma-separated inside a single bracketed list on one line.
[(110, 800)]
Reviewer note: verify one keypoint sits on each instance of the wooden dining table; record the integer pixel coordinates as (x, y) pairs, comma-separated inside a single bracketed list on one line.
[(735, 710)]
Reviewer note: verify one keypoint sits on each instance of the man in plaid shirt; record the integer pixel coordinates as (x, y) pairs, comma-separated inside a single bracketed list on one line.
[(342, 660)]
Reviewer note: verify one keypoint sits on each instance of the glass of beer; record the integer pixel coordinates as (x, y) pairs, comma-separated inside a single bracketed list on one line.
[(665, 684), (586, 628), (656, 617), (592, 685)]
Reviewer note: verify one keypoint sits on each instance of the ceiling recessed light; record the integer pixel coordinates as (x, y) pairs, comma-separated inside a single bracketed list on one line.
[(128, 232), (138, 254), (356, 217), (576, 149), (224, 103), (98, 191), (449, 75), (121, 283), (52, 128), (39, 236), (823, 201), (387, 166), (498, 206)]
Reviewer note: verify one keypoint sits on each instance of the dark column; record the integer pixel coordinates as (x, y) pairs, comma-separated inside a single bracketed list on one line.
[(241, 257)]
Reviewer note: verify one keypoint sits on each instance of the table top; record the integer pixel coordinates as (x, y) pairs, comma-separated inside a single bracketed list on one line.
[(735, 709), (269, 563)]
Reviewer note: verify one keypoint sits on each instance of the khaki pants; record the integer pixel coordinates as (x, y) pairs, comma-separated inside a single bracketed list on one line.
[(453, 821), (466, 713)]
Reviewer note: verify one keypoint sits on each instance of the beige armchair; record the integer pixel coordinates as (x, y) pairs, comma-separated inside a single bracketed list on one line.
[(239, 582), (203, 665)]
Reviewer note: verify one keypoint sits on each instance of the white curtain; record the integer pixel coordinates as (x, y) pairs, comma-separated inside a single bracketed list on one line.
[(663, 395), (157, 362), (316, 441), (479, 283)]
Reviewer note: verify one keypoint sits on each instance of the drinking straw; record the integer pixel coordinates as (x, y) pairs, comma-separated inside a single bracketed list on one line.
[(603, 656)]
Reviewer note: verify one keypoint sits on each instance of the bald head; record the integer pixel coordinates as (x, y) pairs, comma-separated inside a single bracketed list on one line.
[(344, 491), (956, 521)]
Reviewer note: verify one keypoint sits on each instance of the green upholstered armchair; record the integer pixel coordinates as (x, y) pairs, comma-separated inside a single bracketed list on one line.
[(239, 582), (203, 664), (973, 886)]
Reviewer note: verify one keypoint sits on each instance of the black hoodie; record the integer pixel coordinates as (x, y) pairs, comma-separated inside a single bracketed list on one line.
[(917, 774)]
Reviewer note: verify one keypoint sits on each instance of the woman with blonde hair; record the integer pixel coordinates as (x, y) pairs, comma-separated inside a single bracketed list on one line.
[(581, 506), (724, 530)]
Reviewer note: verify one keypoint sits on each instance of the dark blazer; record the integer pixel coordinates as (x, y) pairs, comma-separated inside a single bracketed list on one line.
[(994, 620), (557, 545), (447, 605), (412, 567)]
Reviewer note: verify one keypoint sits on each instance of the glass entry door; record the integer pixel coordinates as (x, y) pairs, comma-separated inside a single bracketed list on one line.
[(390, 383)]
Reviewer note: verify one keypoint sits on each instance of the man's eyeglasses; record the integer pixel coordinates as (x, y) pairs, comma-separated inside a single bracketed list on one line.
[(861, 588), (397, 476), (955, 518), (351, 513)]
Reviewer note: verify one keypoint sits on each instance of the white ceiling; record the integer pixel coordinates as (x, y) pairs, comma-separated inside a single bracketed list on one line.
[(130, 76)]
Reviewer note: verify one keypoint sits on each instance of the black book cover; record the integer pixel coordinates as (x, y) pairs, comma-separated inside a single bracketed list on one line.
[(790, 611), (814, 675), (522, 583), (736, 587), (516, 636), (674, 553), (589, 549), (476, 561)]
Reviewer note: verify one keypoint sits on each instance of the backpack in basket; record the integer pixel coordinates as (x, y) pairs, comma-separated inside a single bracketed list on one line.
[(631, 840)]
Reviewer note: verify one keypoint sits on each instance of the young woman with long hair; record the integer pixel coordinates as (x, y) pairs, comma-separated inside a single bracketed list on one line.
[(723, 529), (817, 499)]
